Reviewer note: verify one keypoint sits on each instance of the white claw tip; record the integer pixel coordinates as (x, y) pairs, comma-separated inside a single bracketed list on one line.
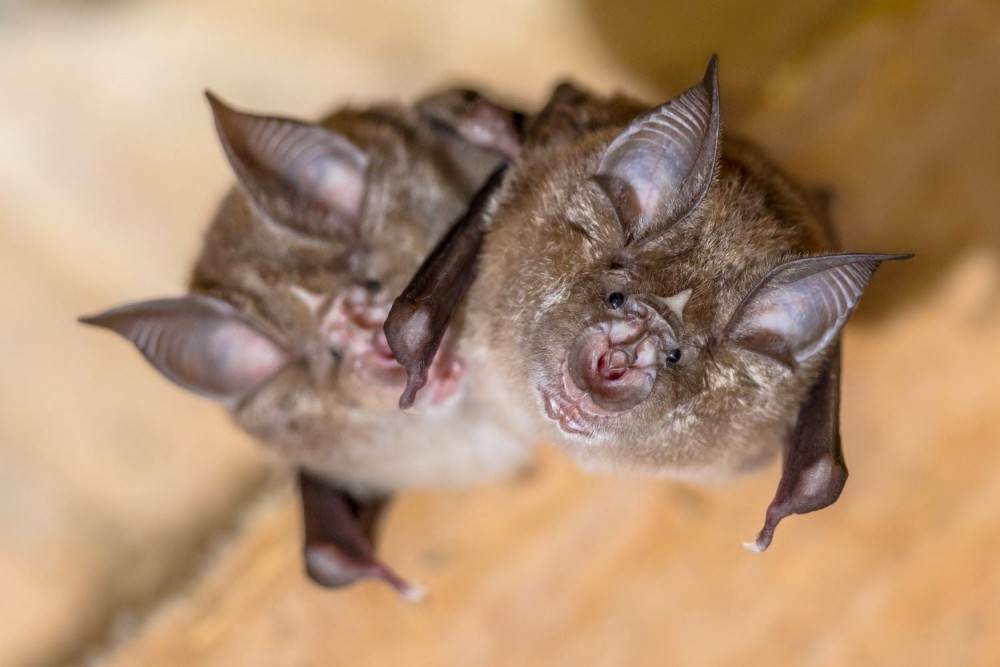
[(754, 546), (413, 593)]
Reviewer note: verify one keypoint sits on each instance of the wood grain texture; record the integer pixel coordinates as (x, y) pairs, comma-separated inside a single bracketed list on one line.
[(564, 569)]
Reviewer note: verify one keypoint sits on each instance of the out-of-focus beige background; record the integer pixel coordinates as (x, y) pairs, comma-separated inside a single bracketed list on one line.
[(138, 527)]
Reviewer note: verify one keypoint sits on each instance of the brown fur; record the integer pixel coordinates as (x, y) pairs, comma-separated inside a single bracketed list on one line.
[(315, 413), (556, 249)]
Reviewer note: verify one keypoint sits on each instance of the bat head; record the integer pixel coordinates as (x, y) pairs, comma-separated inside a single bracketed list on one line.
[(299, 267), (673, 302)]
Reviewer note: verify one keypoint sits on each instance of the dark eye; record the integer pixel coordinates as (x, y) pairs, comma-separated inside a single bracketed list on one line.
[(336, 354), (615, 300), (674, 356), (372, 285)]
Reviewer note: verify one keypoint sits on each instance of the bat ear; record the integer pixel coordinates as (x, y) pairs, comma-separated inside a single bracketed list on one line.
[(302, 175), (662, 166), (477, 119), (799, 307), (202, 344)]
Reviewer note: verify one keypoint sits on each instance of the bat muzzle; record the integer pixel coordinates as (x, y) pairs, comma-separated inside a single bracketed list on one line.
[(615, 363)]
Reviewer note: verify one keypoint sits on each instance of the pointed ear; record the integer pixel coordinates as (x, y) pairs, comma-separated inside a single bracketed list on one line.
[(800, 306), (659, 169), (203, 344), (302, 175), (477, 119)]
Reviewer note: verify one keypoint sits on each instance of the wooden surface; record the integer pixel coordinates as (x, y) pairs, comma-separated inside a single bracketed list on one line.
[(117, 490), (562, 569)]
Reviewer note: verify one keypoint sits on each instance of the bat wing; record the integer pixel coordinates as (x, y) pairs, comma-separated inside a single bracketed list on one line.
[(814, 472), (339, 535), (421, 314)]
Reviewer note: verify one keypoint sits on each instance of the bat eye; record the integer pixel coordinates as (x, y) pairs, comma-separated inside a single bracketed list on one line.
[(372, 285), (674, 355), (336, 354), (615, 300)]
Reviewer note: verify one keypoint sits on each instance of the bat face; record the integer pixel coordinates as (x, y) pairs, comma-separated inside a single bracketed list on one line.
[(625, 347), (289, 294), (669, 302), (284, 322)]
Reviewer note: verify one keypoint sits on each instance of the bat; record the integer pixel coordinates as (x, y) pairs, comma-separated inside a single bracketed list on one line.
[(663, 299), (283, 321)]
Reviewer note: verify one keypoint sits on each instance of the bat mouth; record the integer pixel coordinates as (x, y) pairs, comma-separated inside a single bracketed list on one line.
[(569, 406)]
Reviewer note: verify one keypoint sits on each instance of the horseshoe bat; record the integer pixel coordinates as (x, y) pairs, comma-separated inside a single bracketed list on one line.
[(282, 324), (663, 299)]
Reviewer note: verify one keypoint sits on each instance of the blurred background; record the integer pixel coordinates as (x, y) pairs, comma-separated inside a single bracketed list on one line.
[(138, 527)]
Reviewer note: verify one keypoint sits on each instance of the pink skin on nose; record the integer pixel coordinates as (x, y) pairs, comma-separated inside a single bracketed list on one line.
[(610, 367), (615, 362)]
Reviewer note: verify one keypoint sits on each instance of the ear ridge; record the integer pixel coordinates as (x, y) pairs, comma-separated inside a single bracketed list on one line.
[(304, 176), (800, 306), (662, 166), (202, 344)]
